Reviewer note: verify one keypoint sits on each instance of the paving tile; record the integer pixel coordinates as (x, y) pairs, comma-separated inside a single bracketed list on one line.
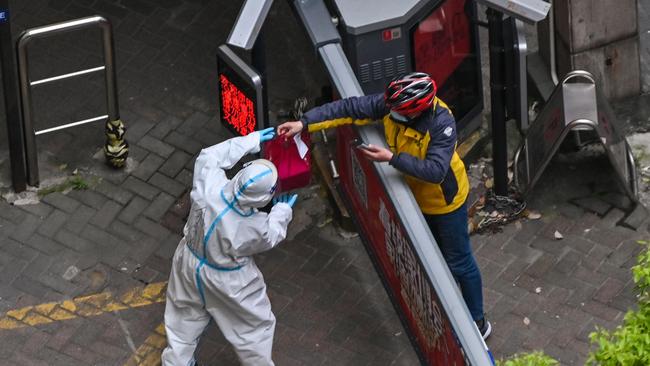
[(61, 202), (156, 146), (167, 184), (593, 204), (114, 192), (53, 223), (88, 197), (26, 228), (106, 214), (39, 210), (133, 209), (79, 218), (148, 166), (141, 188), (175, 164), (183, 142)]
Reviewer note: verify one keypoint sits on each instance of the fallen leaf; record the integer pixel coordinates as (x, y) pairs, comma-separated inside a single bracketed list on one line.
[(489, 183), (533, 215), (558, 236)]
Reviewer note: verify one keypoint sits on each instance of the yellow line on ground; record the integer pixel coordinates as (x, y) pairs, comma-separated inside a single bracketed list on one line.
[(148, 354), (84, 306)]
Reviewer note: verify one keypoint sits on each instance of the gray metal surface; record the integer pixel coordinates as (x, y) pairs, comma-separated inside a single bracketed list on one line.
[(340, 71), (530, 11), (516, 53), (358, 18), (579, 97), (574, 106), (26, 84), (318, 22), (249, 22), (522, 50)]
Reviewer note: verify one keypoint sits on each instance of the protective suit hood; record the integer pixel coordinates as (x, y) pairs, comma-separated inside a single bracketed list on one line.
[(254, 185)]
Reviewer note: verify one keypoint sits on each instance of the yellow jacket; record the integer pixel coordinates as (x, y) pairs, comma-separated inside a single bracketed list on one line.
[(425, 151)]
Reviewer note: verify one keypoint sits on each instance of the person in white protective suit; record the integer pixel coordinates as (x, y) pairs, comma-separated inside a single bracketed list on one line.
[(213, 273)]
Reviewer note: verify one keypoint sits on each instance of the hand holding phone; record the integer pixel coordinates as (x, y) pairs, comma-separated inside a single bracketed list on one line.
[(360, 144)]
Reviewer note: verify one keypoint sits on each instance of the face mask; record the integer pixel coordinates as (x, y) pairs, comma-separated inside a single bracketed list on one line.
[(400, 118)]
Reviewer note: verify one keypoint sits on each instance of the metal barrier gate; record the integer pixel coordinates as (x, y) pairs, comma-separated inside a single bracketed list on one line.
[(573, 106), (116, 148)]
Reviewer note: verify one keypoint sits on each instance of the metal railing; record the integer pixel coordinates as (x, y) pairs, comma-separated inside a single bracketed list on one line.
[(114, 127)]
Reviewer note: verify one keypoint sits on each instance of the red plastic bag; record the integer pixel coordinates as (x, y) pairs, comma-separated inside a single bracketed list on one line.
[(293, 171)]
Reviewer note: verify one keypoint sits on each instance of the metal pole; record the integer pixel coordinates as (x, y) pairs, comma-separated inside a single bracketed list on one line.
[(12, 102), (258, 59), (110, 73), (497, 98), (116, 148)]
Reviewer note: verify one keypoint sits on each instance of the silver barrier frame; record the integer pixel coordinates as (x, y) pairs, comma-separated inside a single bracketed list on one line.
[(527, 176), (26, 84)]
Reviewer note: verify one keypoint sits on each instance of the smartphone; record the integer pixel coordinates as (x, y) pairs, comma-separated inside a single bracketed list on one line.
[(360, 144)]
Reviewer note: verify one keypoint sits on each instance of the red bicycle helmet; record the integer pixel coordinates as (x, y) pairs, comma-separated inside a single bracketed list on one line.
[(411, 93)]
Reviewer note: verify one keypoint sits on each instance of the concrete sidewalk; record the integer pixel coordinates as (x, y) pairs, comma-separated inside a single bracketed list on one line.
[(119, 234)]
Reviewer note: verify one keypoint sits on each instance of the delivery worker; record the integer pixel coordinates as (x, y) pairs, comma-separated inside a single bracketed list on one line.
[(421, 133), (213, 273)]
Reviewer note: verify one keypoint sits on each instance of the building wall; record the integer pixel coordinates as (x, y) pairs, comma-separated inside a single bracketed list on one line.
[(644, 43), (601, 37)]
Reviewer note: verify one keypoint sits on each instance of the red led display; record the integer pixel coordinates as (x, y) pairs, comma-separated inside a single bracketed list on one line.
[(238, 110)]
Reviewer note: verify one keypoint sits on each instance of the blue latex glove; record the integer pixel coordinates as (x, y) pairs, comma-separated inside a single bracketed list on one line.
[(267, 134), (286, 198)]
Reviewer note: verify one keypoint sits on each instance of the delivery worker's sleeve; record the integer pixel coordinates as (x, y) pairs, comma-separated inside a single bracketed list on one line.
[(209, 169), (261, 232), (433, 168), (358, 110)]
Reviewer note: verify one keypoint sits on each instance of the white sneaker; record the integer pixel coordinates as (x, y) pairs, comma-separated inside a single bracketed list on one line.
[(484, 327)]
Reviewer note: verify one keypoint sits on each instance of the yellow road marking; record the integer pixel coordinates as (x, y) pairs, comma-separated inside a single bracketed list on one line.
[(148, 354), (85, 306)]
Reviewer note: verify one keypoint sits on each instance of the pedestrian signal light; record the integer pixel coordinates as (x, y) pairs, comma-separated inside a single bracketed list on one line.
[(239, 89)]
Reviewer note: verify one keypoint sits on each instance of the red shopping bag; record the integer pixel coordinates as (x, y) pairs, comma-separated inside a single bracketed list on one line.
[(293, 171)]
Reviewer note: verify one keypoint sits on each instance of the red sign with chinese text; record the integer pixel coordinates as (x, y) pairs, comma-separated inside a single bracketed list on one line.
[(238, 110), (413, 295), (442, 40)]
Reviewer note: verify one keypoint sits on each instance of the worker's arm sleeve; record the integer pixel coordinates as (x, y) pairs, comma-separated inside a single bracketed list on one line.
[(211, 163), (433, 168), (358, 110), (262, 232)]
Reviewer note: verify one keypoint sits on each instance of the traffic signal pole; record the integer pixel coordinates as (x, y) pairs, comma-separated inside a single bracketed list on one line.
[(12, 101)]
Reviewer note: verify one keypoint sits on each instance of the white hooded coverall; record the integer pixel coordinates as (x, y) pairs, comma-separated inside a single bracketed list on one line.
[(213, 273)]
